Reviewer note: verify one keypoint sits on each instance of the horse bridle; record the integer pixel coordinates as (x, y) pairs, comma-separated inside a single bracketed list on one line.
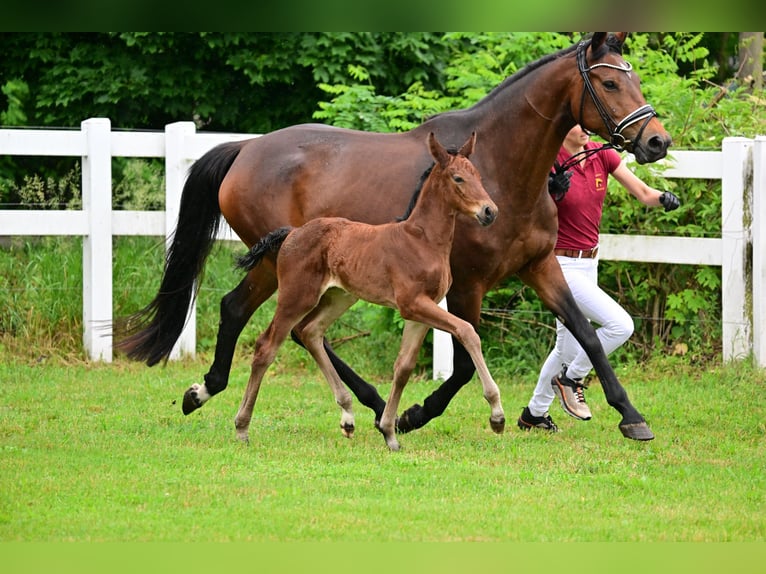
[(645, 112)]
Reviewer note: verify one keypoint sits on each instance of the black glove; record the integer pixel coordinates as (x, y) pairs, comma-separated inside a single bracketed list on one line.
[(558, 184), (670, 201)]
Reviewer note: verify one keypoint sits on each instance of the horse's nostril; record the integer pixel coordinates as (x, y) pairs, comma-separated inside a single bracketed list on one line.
[(658, 144), (489, 214)]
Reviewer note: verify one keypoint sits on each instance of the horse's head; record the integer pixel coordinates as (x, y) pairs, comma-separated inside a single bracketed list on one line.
[(612, 104), (467, 194)]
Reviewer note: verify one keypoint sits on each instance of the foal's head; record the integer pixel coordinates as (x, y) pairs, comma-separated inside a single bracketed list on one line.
[(464, 192)]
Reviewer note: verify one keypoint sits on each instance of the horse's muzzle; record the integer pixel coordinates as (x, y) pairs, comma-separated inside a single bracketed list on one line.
[(652, 149), (487, 215)]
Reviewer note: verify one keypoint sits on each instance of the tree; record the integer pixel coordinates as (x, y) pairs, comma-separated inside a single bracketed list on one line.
[(751, 59)]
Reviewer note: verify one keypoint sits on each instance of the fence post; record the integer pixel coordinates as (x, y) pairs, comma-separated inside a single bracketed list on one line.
[(758, 227), (97, 244), (736, 271), (443, 351), (176, 169)]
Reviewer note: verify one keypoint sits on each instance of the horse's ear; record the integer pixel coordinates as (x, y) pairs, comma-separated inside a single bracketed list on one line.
[(619, 38), (597, 40), (438, 152), (467, 148)]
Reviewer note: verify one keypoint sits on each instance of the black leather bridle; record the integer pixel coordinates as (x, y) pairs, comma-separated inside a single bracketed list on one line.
[(645, 112)]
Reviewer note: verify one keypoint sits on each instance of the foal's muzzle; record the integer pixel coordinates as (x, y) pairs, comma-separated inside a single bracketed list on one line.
[(487, 215)]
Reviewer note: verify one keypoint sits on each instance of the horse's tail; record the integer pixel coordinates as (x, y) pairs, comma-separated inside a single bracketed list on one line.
[(149, 334), (268, 244)]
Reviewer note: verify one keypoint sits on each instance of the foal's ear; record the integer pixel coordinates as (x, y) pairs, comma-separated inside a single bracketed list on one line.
[(440, 155), (467, 148)]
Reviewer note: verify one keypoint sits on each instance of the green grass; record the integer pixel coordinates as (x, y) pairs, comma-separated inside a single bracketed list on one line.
[(98, 452), (94, 452)]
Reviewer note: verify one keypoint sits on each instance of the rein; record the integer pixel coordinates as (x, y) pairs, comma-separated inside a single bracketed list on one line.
[(575, 158), (645, 112)]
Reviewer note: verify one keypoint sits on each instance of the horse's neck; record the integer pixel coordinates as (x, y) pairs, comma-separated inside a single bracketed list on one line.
[(433, 217), (527, 121)]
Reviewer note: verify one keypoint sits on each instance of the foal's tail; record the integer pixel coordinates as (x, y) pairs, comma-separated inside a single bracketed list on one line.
[(269, 244), (149, 334)]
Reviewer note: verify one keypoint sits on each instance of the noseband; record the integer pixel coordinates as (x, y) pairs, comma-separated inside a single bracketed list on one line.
[(645, 112)]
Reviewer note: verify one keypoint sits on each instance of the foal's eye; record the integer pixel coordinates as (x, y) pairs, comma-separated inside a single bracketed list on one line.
[(457, 179)]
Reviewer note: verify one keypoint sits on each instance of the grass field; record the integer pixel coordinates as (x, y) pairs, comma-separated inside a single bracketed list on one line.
[(94, 452)]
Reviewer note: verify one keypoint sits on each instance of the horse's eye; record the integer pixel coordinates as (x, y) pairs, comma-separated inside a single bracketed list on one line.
[(457, 179), (610, 85)]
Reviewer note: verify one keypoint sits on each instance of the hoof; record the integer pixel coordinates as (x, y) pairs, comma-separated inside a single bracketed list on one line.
[(393, 444), (497, 425), (410, 420), (194, 397), (637, 431), (347, 430), (191, 402)]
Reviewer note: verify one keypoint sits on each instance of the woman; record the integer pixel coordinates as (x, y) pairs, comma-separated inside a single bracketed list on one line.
[(579, 213)]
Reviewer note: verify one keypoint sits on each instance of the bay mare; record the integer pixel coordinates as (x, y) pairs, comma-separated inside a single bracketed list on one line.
[(296, 174), (327, 264)]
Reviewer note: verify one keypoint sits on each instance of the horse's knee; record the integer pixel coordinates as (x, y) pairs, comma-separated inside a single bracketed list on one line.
[(404, 366)]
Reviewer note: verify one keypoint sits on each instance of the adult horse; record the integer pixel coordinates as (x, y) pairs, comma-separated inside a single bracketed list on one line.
[(295, 174)]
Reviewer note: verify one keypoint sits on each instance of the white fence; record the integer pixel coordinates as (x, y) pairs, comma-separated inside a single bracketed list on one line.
[(740, 251)]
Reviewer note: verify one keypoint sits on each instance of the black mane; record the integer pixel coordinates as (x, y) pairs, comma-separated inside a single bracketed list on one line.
[(416, 194)]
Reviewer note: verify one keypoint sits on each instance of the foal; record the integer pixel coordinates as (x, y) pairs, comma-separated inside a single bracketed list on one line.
[(326, 265)]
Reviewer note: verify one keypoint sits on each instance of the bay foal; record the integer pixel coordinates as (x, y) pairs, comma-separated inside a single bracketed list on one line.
[(326, 265)]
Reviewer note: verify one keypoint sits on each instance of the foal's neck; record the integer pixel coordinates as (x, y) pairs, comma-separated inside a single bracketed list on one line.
[(433, 217)]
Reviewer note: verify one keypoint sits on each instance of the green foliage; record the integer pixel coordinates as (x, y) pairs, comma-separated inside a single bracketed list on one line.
[(139, 185), (16, 92), (37, 192)]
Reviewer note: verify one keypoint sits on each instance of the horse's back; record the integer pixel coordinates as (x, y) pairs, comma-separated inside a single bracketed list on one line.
[(299, 173)]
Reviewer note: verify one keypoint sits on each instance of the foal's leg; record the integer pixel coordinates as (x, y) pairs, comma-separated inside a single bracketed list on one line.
[(311, 332), (236, 309), (292, 306), (424, 310), (265, 351), (412, 341), (467, 306)]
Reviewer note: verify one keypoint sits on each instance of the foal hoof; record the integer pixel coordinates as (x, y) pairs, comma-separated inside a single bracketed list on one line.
[(497, 425), (637, 431), (347, 430), (393, 445)]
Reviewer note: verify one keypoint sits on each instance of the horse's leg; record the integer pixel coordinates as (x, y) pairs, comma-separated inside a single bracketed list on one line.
[(426, 311), (310, 331), (365, 393), (236, 309), (546, 278), (468, 308), (265, 351), (412, 341)]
